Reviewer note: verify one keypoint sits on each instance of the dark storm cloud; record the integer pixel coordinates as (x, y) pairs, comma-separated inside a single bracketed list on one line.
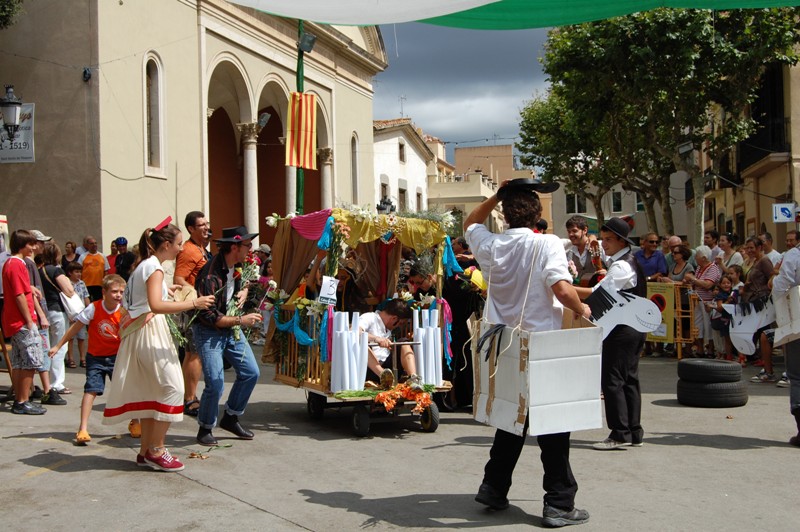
[(459, 84)]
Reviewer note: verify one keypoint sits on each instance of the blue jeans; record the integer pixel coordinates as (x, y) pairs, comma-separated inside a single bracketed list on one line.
[(213, 345)]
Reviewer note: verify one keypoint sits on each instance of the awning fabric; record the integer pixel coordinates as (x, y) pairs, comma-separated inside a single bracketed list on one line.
[(480, 14)]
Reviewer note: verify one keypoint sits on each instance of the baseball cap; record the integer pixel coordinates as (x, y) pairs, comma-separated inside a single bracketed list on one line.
[(264, 248), (41, 237)]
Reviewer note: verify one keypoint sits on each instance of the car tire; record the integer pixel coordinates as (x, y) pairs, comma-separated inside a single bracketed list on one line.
[(712, 394), (707, 370)]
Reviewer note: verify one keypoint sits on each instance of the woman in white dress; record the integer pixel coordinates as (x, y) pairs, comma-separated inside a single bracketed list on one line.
[(147, 382)]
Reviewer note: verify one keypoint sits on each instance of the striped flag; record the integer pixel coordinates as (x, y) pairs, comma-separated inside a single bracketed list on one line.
[(301, 131)]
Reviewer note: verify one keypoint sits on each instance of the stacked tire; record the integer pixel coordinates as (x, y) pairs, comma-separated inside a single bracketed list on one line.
[(709, 383)]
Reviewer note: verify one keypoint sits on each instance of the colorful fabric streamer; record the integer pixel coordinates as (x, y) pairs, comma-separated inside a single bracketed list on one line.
[(293, 325), (326, 239), (324, 328), (311, 226), (447, 315), (449, 261)]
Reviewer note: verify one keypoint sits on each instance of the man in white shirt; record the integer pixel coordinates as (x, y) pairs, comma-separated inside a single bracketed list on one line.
[(529, 285), (577, 247), (711, 239), (620, 363), (770, 252), (787, 278)]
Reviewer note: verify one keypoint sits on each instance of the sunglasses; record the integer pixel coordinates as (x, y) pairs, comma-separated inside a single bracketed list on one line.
[(654, 241)]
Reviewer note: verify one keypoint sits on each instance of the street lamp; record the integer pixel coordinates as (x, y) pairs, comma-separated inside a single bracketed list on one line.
[(11, 108)]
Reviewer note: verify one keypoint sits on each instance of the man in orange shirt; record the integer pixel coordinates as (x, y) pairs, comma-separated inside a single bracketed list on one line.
[(190, 261), (95, 267)]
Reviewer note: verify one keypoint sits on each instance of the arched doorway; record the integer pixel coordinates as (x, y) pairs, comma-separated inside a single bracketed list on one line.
[(229, 104), (225, 179)]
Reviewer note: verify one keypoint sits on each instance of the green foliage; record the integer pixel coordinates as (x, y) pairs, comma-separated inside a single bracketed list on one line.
[(630, 90), (9, 9)]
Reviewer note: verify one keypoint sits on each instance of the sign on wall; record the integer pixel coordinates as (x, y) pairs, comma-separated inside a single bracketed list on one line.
[(20, 150)]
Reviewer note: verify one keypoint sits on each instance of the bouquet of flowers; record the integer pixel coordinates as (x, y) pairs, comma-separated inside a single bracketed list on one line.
[(245, 272), (341, 232)]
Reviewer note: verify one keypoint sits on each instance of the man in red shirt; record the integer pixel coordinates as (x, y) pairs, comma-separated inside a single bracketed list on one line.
[(19, 315), (190, 261)]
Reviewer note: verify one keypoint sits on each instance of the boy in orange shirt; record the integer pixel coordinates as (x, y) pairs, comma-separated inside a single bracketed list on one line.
[(102, 320)]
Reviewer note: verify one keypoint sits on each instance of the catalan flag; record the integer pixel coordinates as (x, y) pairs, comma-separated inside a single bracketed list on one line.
[(301, 131)]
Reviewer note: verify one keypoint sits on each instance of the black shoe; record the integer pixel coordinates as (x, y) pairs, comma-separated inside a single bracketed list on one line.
[(37, 393), (53, 398), (491, 497), (204, 437), (554, 517), (231, 424), (27, 408)]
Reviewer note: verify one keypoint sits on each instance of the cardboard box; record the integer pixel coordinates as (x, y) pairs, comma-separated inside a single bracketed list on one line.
[(553, 377)]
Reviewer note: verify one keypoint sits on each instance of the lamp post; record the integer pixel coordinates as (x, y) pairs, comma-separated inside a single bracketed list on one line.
[(11, 109)]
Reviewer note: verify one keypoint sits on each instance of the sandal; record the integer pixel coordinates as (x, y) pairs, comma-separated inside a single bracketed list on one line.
[(71, 364), (191, 408), (83, 363)]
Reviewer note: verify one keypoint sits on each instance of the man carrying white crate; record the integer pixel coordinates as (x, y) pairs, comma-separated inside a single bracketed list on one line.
[(511, 261)]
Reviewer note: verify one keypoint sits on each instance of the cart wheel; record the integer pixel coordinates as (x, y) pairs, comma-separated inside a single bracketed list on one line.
[(316, 405), (360, 421), (430, 418)]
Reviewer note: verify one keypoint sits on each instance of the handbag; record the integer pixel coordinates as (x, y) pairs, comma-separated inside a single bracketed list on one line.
[(72, 305)]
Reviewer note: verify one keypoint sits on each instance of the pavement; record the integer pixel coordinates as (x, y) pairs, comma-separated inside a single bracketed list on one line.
[(699, 469)]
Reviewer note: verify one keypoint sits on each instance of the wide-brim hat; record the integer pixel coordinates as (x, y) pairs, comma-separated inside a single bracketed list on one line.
[(619, 227), (235, 235), (525, 185)]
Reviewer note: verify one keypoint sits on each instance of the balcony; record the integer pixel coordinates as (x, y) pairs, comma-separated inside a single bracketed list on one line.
[(469, 187)]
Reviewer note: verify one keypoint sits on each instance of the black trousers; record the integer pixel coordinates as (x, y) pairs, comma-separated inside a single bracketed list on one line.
[(620, 384), (558, 482)]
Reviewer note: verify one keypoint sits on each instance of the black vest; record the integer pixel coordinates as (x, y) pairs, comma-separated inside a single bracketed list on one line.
[(641, 281)]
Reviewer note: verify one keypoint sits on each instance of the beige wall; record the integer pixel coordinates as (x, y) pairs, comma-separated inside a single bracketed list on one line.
[(139, 198), (494, 161), (59, 193)]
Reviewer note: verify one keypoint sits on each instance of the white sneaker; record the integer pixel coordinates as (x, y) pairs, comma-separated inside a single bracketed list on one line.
[(783, 382), (609, 445)]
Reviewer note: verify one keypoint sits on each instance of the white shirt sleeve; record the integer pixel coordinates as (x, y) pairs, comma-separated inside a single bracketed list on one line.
[(86, 315), (105, 260), (480, 239), (82, 258), (554, 266), (789, 274), (622, 275)]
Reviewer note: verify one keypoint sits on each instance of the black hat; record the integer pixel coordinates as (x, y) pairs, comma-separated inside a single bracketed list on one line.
[(516, 186), (619, 227), (235, 235)]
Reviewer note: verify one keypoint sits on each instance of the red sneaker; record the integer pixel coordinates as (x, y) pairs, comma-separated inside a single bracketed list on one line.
[(140, 461), (165, 462)]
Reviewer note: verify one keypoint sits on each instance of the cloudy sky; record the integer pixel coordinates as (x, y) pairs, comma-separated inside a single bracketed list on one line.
[(460, 85)]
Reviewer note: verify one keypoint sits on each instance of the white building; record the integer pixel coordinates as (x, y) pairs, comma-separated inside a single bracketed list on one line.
[(401, 164)]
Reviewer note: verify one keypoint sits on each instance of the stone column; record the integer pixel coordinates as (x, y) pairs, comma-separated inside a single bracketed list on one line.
[(325, 177), (291, 189), (249, 133)]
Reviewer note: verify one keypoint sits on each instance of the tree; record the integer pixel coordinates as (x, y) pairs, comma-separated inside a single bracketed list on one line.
[(565, 146), (672, 79), (9, 9)]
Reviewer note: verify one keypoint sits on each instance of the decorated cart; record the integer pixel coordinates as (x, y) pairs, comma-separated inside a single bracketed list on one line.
[(321, 349)]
